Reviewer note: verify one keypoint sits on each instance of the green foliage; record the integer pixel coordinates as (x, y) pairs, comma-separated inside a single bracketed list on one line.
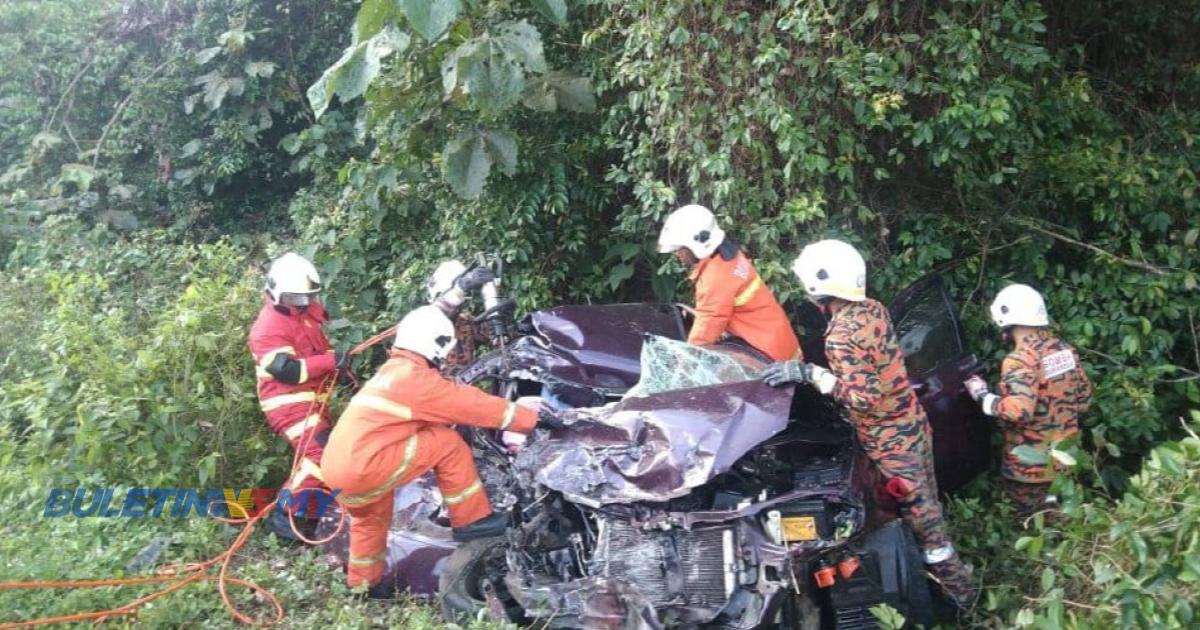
[(153, 111), (1103, 564), (350, 75), (313, 594), (130, 363), (1048, 143), (964, 139)]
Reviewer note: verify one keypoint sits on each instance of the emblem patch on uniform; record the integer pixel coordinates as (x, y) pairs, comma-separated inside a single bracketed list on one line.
[(742, 270), (1058, 363)]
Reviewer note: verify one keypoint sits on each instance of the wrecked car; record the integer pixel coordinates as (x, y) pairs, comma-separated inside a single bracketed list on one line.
[(684, 492)]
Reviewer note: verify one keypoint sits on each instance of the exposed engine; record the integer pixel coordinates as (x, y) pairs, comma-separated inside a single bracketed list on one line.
[(722, 554), (699, 496)]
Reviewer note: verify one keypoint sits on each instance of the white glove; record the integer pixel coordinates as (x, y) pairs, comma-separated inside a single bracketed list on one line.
[(513, 441), (823, 379), (976, 387)]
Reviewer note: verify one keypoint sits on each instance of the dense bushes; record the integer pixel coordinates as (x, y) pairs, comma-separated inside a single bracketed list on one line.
[(156, 112), (1121, 563), (963, 138), (126, 361), (146, 145)]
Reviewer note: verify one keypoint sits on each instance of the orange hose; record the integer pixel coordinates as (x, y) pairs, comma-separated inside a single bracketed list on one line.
[(194, 572)]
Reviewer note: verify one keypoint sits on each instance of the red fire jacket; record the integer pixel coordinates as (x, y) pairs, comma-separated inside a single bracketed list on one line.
[(287, 330)]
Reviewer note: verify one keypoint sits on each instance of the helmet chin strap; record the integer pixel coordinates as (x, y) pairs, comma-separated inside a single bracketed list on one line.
[(822, 302)]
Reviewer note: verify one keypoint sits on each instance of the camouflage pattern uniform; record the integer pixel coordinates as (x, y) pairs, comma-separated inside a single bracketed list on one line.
[(1043, 391), (892, 428)]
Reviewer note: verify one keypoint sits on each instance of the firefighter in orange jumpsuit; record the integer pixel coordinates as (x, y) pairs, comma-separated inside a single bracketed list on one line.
[(731, 298), (1043, 391), (867, 375), (401, 425), (292, 359)]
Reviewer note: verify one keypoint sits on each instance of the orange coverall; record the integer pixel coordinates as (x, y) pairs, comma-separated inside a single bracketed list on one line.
[(731, 298), (291, 410), (395, 429)]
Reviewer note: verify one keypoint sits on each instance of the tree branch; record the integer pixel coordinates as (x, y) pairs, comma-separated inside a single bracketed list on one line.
[(1088, 246), (67, 92), (121, 109)]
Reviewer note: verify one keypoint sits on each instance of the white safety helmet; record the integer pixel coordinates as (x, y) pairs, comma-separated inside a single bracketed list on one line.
[(442, 279), (1019, 305), (426, 331), (291, 274), (832, 268), (693, 227)]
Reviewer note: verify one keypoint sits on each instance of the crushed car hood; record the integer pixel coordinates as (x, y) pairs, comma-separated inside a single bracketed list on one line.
[(656, 447)]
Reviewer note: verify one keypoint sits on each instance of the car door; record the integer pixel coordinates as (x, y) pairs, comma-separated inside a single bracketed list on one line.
[(939, 360)]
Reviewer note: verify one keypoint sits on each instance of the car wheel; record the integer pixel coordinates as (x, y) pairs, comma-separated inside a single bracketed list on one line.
[(472, 584)]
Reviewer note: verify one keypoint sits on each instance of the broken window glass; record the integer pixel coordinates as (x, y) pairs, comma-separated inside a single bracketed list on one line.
[(668, 365)]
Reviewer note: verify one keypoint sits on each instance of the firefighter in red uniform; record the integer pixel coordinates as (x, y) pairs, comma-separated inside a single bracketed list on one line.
[(399, 426), (867, 375), (731, 298), (1043, 392), (293, 358)]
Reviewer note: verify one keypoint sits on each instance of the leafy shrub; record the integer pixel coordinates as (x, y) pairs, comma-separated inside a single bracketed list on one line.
[(136, 367), (1130, 562)]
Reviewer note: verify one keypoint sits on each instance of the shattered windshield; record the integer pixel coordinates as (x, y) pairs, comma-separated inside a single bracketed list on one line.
[(668, 365), (694, 413)]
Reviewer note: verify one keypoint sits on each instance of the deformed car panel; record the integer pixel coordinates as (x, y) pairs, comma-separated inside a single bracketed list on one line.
[(601, 345), (657, 447)]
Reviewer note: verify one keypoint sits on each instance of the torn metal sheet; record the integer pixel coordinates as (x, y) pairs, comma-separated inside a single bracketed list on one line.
[(659, 445)]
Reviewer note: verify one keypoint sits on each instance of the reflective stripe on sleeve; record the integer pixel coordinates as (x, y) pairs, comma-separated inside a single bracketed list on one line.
[(283, 400), (410, 451), (510, 413), (269, 355), (748, 293), (260, 368)]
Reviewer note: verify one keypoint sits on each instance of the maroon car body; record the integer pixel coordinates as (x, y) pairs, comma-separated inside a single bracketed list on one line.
[(658, 509)]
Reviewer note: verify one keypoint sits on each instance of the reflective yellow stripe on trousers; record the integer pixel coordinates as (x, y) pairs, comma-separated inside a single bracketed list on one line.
[(452, 499), (360, 561)]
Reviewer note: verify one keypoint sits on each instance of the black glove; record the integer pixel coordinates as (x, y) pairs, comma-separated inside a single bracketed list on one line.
[(475, 278), (345, 374), (784, 372), (548, 418)]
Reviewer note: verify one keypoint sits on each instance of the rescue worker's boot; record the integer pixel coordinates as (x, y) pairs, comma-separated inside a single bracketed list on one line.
[(486, 527), (384, 590), (956, 580), (280, 524)]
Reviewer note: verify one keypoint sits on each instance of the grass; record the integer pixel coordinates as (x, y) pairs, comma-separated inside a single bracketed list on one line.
[(312, 592)]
